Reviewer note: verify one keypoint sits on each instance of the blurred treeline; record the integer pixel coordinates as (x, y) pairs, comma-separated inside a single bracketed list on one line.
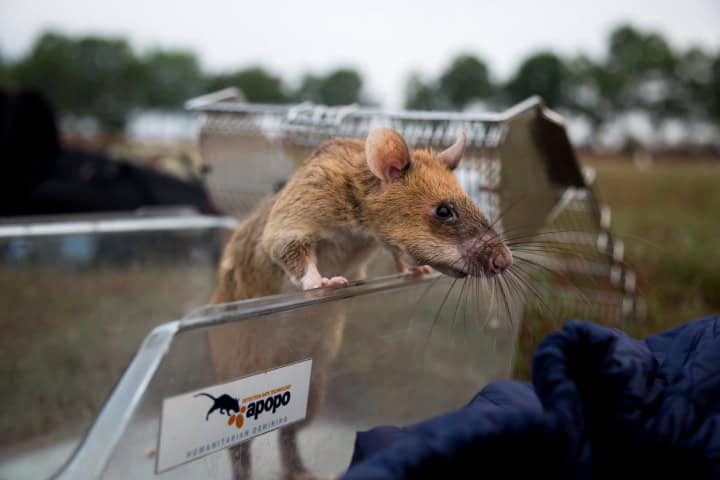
[(639, 72), (104, 78)]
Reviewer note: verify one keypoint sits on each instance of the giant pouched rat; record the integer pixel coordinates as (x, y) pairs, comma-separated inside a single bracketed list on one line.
[(321, 229)]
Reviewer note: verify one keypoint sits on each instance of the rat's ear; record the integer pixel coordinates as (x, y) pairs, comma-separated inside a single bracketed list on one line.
[(387, 154), (452, 155)]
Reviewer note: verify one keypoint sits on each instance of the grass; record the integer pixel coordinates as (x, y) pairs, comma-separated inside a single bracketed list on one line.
[(69, 333), (667, 216)]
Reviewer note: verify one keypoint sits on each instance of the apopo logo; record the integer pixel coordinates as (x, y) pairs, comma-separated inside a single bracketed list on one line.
[(200, 422), (253, 406)]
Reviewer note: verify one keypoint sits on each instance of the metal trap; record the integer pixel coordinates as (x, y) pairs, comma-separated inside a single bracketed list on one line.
[(519, 167)]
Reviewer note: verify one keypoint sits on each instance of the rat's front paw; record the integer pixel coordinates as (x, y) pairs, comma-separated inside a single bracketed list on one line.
[(311, 283), (334, 281)]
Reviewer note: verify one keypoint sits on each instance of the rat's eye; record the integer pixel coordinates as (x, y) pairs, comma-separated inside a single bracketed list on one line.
[(445, 212)]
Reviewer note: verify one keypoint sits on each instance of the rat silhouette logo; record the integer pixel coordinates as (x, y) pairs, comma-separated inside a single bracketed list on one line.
[(230, 406), (225, 404)]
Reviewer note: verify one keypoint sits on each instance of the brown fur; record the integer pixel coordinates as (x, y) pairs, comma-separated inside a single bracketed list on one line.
[(345, 201)]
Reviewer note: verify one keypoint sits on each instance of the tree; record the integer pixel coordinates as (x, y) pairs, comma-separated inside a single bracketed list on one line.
[(631, 50), (5, 68), (640, 72), (84, 76), (466, 79), (310, 89), (422, 95), (714, 89), (256, 83), (170, 77), (541, 74), (339, 87), (583, 96), (640, 67), (698, 77)]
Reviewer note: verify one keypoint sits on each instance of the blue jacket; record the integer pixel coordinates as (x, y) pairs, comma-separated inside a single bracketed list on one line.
[(601, 405)]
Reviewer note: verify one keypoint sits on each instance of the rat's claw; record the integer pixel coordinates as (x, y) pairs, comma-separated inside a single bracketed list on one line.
[(334, 281)]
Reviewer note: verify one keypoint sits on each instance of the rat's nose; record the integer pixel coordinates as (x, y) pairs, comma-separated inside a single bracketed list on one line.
[(499, 260)]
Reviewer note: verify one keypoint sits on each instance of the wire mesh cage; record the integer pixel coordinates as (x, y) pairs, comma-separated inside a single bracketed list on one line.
[(519, 167)]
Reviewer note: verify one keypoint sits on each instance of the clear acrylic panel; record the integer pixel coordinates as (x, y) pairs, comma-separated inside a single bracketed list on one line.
[(393, 350), (79, 295)]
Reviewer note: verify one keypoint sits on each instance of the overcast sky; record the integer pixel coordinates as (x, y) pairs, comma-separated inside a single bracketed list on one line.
[(384, 39)]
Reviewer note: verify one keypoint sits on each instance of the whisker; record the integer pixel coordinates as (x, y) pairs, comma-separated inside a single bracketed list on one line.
[(437, 315), (505, 299), (457, 305), (553, 272)]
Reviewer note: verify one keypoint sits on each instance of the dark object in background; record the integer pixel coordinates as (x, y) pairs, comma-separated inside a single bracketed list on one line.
[(28, 148), (38, 176), (601, 405)]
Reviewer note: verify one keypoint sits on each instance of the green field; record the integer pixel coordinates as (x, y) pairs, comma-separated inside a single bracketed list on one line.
[(668, 217)]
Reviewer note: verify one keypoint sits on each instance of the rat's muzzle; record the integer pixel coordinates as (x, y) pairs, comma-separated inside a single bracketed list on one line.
[(499, 259), (487, 255)]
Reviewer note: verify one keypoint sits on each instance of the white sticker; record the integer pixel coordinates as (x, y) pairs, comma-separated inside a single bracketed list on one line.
[(199, 423)]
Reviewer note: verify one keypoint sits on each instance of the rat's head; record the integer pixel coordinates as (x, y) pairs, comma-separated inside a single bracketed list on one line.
[(421, 212)]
